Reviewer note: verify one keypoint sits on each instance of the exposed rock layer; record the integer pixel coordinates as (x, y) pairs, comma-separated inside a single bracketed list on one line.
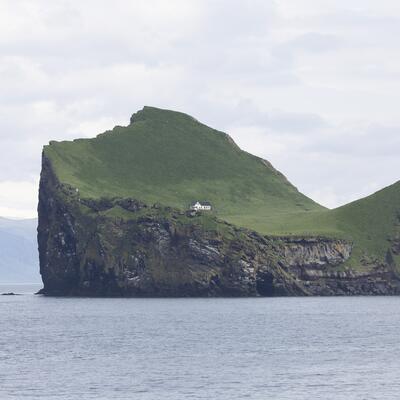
[(123, 247)]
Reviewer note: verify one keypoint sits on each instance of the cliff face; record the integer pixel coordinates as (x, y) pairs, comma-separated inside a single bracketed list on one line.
[(123, 247)]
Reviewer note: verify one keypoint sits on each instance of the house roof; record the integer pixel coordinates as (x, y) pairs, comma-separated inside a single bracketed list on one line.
[(203, 203)]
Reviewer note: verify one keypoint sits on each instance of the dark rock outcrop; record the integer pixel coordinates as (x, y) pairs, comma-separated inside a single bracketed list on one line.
[(122, 247)]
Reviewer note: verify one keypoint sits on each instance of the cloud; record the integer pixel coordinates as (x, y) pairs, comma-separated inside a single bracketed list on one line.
[(311, 86), (348, 161), (17, 198)]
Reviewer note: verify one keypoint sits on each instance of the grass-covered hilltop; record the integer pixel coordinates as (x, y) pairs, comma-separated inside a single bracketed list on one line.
[(170, 158), (164, 160)]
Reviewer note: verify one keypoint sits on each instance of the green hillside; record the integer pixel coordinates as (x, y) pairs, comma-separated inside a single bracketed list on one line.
[(371, 223), (170, 158)]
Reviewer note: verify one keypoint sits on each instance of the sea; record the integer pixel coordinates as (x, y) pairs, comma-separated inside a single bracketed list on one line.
[(192, 348)]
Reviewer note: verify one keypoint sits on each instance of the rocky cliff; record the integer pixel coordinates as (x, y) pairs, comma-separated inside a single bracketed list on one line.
[(124, 247)]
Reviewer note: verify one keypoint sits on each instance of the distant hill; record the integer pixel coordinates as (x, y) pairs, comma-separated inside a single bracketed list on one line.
[(19, 261)]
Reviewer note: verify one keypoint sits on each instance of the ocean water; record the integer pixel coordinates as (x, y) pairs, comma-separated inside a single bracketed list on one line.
[(260, 348)]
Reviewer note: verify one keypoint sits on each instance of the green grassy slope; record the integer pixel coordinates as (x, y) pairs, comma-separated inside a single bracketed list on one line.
[(170, 158), (370, 223)]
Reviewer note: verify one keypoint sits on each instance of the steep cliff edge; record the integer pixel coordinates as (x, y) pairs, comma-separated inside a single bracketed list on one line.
[(113, 221), (123, 247)]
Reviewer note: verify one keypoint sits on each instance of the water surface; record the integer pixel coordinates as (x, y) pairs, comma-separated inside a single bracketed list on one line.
[(260, 348)]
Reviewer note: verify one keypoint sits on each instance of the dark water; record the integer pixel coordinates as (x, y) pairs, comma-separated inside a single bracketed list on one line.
[(282, 348)]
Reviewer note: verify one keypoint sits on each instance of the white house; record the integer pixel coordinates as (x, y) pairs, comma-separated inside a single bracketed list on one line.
[(201, 206)]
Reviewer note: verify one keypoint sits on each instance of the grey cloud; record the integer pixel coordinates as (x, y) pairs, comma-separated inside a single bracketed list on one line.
[(356, 27), (375, 140), (68, 69), (315, 42), (282, 122)]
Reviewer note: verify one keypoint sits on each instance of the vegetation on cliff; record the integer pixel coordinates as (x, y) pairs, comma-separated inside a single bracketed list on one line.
[(170, 158)]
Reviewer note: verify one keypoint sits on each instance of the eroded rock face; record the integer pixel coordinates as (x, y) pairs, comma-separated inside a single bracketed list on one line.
[(87, 249), (314, 253)]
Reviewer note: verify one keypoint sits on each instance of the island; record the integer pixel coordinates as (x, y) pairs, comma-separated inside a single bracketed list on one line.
[(168, 206)]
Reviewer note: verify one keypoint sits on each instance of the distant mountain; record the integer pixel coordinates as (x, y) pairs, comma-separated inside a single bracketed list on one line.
[(19, 262)]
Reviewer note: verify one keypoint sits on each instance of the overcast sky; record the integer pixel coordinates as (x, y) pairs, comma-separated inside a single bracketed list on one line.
[(311, 85)]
